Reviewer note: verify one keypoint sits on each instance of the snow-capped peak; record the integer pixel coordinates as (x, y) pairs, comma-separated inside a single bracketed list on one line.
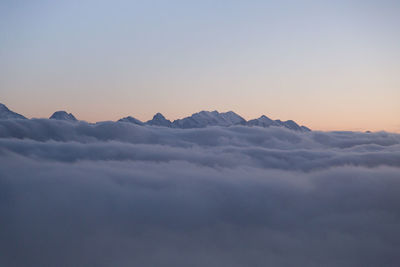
[(209, 118)]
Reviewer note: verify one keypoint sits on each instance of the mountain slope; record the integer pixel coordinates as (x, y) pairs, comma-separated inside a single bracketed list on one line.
[(6, 114), (264, 121), (131, 119)]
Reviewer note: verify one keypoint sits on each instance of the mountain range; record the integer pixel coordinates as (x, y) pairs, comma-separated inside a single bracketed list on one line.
[(197, 120)]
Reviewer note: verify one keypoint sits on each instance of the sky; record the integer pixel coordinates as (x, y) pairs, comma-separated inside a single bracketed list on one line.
[(329, 65)]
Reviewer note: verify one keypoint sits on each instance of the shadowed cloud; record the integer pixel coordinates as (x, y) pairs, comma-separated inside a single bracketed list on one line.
[(118, 194)]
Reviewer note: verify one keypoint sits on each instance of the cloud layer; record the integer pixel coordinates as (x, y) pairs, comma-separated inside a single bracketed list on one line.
[(116, 194)]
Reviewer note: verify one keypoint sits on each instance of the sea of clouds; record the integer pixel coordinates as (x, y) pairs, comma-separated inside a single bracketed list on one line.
[(118, 194)]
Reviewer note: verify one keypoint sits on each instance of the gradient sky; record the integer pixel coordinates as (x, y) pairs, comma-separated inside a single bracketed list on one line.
[(330, 65)]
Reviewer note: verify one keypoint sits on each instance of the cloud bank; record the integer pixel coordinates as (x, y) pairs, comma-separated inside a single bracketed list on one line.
[(117, 194)]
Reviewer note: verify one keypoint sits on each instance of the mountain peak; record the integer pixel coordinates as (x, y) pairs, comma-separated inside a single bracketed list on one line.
[(262, 121), (63, 115), (159, 120), (158, 115)]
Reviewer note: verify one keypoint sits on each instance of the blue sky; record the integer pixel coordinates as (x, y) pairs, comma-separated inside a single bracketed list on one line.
[(326, 64)]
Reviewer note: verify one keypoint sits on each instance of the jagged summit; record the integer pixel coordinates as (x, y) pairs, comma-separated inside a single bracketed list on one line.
[(6, 114), (159, 120), (63, 115)]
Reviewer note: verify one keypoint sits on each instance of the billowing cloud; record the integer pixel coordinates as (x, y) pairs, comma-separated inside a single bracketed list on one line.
[(117, 194)]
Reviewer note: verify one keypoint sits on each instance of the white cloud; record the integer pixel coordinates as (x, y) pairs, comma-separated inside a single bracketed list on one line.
[(116, 194)]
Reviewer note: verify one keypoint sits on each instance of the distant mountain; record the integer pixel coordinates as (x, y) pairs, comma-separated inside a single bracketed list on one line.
[(131, 120), (197, 120), (264, 121), (6, 114), (159, 120), (209, 118), (214, 118), (63, 115)]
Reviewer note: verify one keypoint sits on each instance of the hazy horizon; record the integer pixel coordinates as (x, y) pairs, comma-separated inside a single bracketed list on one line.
[(188, 115), (330, 66)]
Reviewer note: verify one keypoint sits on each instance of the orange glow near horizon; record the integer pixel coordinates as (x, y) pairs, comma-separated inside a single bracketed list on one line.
[(329, 66)]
